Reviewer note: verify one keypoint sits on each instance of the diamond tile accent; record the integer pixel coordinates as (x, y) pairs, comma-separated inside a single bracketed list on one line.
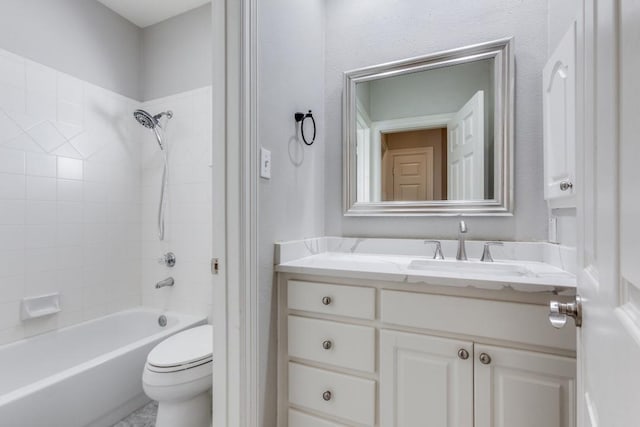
[(24, 143), (8, 128), (67, 150), (86, 145), (47, 136)]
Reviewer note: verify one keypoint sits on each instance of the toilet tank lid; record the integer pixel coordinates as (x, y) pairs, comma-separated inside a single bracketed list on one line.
[(188, 346)]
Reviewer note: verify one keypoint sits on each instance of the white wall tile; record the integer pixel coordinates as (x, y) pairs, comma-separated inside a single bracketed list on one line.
[(46, 136), (41, 212), (70, 168), (11, 239), (40, 164), (24, 143), (41, 188), (70, 213), (12, 161), (12, 186), (40, 236), (70, 190), (12, 212), (8, 128)]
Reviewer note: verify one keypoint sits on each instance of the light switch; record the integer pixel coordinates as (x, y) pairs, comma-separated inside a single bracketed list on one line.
[(265, 163)]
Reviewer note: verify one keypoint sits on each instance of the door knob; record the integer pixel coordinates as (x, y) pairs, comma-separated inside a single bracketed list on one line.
[(484, 358), (558, 312), (566, 185)]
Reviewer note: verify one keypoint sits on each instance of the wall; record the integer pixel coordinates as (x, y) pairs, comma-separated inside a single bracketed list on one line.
[(69, 197), (176, 54), (79, 37), (291, 204), (366, 32), (189, 213), (560, 16)]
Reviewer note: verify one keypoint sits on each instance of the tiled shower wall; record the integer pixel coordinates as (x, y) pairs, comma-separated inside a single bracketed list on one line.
[(69, 197), (79, 182), (188, 217)]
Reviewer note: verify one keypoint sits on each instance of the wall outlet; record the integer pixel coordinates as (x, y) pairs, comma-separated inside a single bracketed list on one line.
[(265, 163)]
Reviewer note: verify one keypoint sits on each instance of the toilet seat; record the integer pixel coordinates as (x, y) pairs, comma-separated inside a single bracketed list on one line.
[(188, 349)]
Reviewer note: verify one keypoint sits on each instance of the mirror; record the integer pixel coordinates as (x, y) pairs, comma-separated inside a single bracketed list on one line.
[(431, 135)]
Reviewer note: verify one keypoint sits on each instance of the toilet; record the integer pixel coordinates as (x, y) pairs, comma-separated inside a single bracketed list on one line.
[(178, 374)]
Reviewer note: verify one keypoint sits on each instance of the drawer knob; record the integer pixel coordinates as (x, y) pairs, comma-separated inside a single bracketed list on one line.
[(326, 300), (463, 354), (327, 345), (326, 396), (485, 359)]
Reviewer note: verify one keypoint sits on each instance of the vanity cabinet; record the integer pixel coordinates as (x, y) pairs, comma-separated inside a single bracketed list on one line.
[(378, 354)]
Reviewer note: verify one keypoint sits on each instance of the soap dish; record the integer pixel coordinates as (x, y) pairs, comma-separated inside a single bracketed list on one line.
[(40, 306)]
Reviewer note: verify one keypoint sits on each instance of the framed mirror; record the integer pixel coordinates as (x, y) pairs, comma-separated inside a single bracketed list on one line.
[(431, 135)]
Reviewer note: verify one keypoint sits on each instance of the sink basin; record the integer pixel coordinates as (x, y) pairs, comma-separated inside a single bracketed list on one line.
[(469, 267)]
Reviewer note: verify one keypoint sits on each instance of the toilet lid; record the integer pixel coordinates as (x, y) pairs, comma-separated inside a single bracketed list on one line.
[(184, 348)]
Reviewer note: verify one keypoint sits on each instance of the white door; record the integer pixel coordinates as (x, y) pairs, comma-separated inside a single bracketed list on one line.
[(423, 381), (465, 157), (608, 220), (516, 388), (559, 99), (413, 174)]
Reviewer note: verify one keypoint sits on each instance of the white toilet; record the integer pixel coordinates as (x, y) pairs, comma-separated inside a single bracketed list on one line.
[(178, 374)]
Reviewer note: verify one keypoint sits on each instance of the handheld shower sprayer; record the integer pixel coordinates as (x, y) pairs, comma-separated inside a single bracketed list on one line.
[(154, 123)]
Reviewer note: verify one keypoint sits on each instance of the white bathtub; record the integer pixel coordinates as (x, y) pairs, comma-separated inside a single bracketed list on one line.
[(88, 374)]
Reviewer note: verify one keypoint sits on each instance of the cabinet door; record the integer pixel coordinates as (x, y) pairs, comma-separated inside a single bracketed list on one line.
[(424, 382), (559, 105), (515, 388)]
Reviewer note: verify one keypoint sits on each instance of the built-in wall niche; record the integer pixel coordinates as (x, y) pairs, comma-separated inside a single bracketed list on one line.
[(431, 135)]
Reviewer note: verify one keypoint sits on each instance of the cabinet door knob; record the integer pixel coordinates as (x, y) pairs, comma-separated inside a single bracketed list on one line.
[(327, 345), (326, 300), (463, 354), (326, 396), (485, 359), (566, 185)]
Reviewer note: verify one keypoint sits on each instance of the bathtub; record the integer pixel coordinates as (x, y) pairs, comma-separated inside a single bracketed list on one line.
[(88, 374)]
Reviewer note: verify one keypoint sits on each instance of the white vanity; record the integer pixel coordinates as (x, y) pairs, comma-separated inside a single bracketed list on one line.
[(372, 339)]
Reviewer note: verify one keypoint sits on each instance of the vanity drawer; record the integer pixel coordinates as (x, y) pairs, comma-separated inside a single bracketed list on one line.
[(351, 301), (334, 394), (300, 419), (339, 344), (516, 322)]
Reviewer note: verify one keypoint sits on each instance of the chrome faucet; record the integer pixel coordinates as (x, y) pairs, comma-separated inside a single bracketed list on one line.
[(437, 254), (462, 251), (166, 282)]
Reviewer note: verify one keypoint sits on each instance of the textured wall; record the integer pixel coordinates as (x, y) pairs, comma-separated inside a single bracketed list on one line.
[(82, 38), (366, 32), (291, 78), (176, 55)]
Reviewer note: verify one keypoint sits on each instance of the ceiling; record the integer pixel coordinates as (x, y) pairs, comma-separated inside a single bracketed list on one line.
[(148, 12)]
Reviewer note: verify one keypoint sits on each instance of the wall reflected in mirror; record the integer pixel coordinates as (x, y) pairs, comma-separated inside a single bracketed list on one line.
[(427, 135)]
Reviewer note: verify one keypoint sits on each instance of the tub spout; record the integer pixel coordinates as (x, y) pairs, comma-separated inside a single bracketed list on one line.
[(166, 282)]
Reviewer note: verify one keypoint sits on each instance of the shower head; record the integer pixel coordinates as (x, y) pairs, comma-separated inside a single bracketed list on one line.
[(152, 122), (145, 119), (149, 121)]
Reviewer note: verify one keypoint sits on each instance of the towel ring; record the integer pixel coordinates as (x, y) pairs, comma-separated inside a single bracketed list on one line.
[(300, 118)]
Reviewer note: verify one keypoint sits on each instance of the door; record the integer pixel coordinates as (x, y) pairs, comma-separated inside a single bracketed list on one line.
[(608, 221), (424, 382), (465, 158), (412, 174), (559, 102), (516, 388)]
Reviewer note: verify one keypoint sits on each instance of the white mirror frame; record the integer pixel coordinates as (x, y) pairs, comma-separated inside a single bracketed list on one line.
[(504, 74)]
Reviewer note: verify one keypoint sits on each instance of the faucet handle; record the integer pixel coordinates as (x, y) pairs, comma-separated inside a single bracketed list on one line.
[(462, 227), (486, 253), (437, 254)]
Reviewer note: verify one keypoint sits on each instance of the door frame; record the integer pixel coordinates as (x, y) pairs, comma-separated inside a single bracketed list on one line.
[(235, 161)]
